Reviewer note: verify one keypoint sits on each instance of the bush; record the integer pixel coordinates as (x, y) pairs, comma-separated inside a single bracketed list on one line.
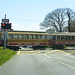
[(50, 46), (58, 46), (73, 53), (5, 55)]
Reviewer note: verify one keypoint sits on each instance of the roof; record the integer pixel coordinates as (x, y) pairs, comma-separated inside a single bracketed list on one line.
[(28, 31), (64, 33)]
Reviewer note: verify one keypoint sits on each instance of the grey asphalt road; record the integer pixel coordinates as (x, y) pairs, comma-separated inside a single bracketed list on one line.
[(53, 63)]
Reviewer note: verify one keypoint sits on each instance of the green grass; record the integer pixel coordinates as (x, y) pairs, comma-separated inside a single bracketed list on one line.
[(5, 55), (73, 53), (70, 51)]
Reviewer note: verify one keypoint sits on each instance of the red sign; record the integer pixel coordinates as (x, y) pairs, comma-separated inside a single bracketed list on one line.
[(5, 20)]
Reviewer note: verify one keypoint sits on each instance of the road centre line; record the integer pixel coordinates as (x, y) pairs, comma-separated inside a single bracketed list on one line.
[(60, 62)]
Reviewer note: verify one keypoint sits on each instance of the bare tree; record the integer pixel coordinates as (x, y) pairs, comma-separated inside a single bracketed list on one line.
[(71, 16), (58, 19), (55, 19), (72, 27)]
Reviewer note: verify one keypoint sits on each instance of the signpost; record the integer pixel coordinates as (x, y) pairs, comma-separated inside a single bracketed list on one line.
[(4, 40), (5, 20), (5, 26)]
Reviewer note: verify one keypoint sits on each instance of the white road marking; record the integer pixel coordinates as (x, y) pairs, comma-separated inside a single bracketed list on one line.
[(60, 62), (47, 56), (66, 64)]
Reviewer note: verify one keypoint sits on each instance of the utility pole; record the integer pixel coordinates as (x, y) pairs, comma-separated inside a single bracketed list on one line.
[(4, 36), (5, 16)]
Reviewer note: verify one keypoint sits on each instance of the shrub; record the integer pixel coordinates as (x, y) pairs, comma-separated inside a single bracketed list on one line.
[(58, 46)]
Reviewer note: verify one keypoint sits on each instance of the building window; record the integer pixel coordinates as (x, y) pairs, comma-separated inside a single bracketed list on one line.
[(10, 36), (45, 36), (58, 37), (36, 36), (62, 37), (26, 36), (65, 37), (31, 36), (73, 37), (21, 36), (41, 36), (68, 37), (16, 36)]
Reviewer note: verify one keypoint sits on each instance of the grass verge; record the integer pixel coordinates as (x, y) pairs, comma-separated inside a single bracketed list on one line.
[(73, 53), (5, 55), (70, 51)]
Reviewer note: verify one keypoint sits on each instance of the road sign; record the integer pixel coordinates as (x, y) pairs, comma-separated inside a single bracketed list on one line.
[(5, 20), (5, 25)]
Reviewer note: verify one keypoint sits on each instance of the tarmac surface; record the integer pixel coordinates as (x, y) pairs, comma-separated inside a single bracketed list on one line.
[(40, 62)]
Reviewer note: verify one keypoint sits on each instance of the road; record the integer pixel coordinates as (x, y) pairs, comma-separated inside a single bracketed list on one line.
[(40, 63)]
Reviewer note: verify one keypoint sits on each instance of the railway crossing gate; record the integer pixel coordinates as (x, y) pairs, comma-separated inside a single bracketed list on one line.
[(5, 26)]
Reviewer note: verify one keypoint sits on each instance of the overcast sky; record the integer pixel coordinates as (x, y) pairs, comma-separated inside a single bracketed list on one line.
[(28, 14)]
